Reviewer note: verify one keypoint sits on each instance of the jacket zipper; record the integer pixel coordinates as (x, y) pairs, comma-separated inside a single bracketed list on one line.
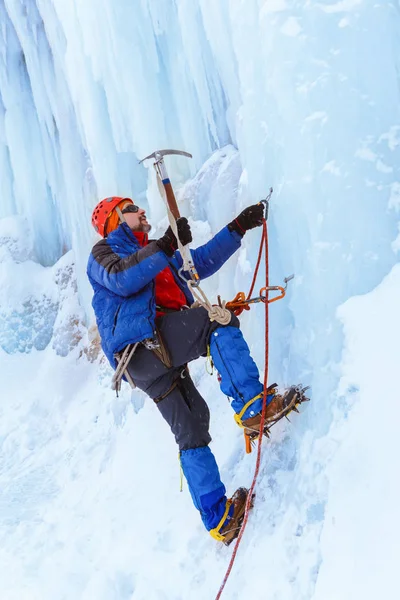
[(116, 318), (228, 371)]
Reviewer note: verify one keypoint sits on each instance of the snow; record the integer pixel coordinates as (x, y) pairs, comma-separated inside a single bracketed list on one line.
[(362, 524), (303, 97)]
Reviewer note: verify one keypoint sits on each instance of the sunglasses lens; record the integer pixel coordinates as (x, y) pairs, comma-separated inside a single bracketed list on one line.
[(132, 208)]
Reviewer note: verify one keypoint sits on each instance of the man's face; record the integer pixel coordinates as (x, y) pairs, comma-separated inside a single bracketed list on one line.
[(137, 221)]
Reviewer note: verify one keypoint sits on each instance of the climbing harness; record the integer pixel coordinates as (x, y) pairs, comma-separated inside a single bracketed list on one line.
[(175, 384), (155, 344), (121, 370)]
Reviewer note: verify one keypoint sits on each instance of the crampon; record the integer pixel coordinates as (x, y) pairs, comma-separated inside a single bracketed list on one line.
[(294, 396), (233, 532)]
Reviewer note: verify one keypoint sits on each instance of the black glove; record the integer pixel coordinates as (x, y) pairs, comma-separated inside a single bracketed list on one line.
[(168, 244), (250, 217), (184, 232)]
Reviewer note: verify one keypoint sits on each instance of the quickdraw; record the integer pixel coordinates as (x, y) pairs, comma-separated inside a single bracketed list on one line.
[(241, 303)]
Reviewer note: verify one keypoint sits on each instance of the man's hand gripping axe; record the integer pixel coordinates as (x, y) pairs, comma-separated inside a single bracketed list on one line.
[(167, 192)]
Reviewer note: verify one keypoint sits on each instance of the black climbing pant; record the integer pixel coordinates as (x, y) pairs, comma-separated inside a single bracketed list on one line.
[(186, 335)]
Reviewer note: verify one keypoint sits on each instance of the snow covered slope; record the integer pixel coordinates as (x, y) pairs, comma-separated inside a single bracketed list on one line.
[(303, 96)]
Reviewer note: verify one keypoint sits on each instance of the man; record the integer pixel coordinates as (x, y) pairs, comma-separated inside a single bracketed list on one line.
[(140, 297)]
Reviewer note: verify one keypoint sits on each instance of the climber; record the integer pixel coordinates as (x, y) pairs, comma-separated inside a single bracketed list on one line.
[(140, 297)]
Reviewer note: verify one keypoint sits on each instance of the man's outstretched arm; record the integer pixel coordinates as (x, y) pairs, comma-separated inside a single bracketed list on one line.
[(210, 257)]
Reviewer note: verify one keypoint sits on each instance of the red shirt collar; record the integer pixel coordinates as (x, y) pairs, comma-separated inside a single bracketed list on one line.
[(141, 237)]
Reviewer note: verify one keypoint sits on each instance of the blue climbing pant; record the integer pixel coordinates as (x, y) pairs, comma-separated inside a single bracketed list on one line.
[(205, 485), (239, 374)]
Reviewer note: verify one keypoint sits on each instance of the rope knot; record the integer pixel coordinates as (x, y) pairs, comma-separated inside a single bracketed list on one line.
[(216, 313), (220, 315)]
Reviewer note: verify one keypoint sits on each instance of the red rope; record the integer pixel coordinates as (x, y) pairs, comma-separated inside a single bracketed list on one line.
[(264, 243), (260, 251)]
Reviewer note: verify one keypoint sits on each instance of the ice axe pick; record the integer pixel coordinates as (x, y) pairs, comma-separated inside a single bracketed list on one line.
[(168, 192)]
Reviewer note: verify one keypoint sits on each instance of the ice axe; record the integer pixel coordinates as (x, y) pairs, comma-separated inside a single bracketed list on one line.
[(169, 196)]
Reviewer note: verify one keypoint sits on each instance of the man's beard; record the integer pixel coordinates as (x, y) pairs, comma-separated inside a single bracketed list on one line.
[(143, 227)]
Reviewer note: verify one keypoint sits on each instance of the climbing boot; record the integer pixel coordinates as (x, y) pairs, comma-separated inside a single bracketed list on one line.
[(280, 406), (229, 527)]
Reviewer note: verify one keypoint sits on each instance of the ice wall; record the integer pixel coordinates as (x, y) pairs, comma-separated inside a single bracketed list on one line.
[(307, 93), (38, 306)]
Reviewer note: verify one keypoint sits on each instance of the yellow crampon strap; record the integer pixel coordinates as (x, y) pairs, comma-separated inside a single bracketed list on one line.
[(209, 362), (181, 473), (215, 532), (238, 416)]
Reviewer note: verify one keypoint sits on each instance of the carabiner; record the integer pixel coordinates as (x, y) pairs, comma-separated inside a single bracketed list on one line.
[(271, 288)]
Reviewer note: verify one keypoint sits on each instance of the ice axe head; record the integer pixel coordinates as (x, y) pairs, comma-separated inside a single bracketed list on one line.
[(159, 154), (163, 179)]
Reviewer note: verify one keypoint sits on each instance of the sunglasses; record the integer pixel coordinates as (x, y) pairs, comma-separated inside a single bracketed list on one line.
[(132, 208)]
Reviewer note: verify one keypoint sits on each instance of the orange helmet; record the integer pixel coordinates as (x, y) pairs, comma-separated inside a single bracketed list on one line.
[(103, 210)]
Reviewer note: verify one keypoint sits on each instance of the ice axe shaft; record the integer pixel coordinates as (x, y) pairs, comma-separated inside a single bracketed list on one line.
[(171, 200), (162, 175)]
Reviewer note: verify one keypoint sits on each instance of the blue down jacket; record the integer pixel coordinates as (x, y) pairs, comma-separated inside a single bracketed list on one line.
[(122, 274)]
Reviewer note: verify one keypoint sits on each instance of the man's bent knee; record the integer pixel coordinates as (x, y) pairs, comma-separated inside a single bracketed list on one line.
[(188, 423)]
